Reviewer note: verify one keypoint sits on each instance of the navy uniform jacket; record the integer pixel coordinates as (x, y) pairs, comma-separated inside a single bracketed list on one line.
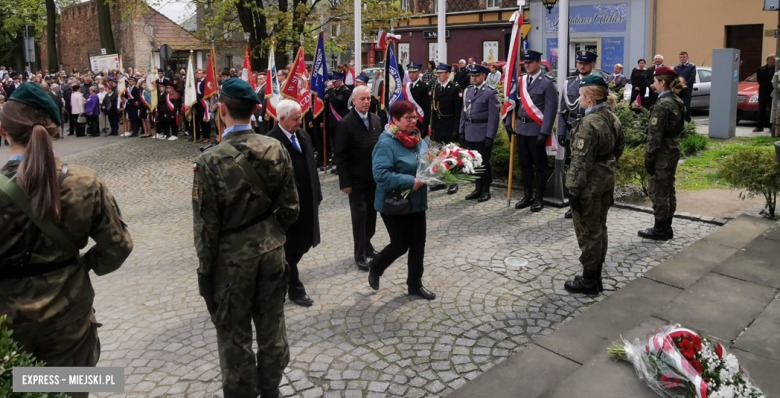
[(447, 104), (481, 113), (576, 114), (545, 96), (688, 72), (131, 104), (421, 92), (339, 97)]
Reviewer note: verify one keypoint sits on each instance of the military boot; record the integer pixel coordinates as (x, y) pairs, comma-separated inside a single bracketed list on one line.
[(589, 283), (600, 283), (669, 229), (270, 393), (485, 196), (538, 204), (453, 189), (658, 232), (476, 193), (526, 201)]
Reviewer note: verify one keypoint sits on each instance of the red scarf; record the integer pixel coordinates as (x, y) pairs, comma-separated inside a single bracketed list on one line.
[(407, 140)]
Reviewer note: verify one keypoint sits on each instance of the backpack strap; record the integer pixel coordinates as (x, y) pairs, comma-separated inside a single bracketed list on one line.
[(48, 228), (242, 161)]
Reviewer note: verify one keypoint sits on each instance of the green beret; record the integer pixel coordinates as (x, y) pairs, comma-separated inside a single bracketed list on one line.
[(33, 95), (593, 80), (240, 90)]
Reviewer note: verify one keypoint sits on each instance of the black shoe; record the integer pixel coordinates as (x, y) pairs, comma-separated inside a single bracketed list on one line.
[(437, 188), (270, 393), (758, 129), (669, 229), (321, 169), (658, 232), (453, 189), (371, 253), (422, 292), (362, 265), (526, 200), (538, 205), (373, 280), (303, 301), (113, 135), (568, 214), (476, 193), (584, 285), (484, 197)]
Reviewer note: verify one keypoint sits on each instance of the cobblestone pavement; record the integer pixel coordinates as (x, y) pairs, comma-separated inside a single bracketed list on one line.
[(353, 342)]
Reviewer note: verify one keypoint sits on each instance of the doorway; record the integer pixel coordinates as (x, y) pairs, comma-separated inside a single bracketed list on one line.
[(749, 39), (591, 45)]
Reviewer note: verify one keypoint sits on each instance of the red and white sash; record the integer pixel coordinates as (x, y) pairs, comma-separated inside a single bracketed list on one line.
[(335, 114), (528, 105), (408, 97), (206, 110), (130, 94), (170, 104)]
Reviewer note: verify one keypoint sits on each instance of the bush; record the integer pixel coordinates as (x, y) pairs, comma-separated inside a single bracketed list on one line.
[(693, 143), (500, 157), (12, 356), (689, 130), (631, 169), (754, 170), (634, 122)]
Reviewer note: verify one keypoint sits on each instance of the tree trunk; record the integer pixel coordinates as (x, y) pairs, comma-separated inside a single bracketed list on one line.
[(104, 27), (255, 24), (51, 35)]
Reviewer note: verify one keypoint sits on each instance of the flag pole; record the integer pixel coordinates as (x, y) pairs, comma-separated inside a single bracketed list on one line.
[(518, 76), (214, 71), (192, 110)]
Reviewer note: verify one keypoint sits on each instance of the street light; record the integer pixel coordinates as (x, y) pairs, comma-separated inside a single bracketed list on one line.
[(549, 5)]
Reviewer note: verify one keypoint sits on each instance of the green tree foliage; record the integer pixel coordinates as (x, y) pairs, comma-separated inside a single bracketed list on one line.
[(631, 170), (755, 171)]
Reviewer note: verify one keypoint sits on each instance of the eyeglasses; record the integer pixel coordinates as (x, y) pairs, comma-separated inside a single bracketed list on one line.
[(410, 118)]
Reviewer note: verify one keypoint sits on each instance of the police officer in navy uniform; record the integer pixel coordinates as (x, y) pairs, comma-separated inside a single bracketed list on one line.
[(421, 93), (532, 135), (479, 125), (446, 106), (570, 101), (337, 106)]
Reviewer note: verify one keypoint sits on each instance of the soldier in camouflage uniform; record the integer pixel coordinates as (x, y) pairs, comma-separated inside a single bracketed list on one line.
[(244, 200), (667, 120), (45, 287), (596, 146)]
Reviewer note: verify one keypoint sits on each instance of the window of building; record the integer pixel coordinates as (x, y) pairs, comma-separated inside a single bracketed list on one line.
[(229, 61), (493, 3), (435, 6), (334, 30), (405, 4)]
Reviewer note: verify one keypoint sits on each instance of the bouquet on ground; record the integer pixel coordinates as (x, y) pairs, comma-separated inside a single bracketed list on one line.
[(677, 362), (449, 164)]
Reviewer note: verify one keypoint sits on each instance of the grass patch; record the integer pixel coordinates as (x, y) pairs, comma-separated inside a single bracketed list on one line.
[(701, 171)]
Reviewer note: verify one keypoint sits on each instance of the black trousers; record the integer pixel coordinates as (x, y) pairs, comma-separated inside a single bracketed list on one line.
[(634, 94), (361, 208), (92, 125), (533, 161), (487, 177), (407, 233), (113, 121), (764, 103), (686, 96), (135, 122), (72, 123), (295, 289), (204, 127)]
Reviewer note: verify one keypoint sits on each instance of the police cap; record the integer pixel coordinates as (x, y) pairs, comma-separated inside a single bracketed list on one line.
[(531, 55), (337, 76), (362, 77), (443, 68), (477, 69), (586, 56), (240, 90), (413, 67), (33, 95)]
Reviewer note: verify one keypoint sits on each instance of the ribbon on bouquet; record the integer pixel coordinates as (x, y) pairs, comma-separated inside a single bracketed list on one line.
[(662, 345)]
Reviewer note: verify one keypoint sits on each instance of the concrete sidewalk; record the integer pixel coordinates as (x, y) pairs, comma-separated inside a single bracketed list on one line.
[(724, 286)]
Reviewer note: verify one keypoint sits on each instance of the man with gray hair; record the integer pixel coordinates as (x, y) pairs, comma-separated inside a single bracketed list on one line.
[(358, 133), (54, 93), (305, 232), (658, 61)]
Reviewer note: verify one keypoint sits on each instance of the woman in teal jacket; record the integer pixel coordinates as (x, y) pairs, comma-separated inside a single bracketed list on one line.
[(395, 161)]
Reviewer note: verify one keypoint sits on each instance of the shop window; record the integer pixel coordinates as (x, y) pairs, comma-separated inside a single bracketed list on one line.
[(493, 3)]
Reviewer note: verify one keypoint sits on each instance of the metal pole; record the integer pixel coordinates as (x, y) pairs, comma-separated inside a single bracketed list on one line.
[(556, 191), (358, 36), (773, 117), (441, 38)]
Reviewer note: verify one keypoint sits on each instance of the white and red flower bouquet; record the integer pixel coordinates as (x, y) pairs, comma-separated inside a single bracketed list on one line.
[(677, 362), (449, 164)]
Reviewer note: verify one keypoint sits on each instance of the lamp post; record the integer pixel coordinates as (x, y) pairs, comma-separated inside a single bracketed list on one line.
[(549, 5)]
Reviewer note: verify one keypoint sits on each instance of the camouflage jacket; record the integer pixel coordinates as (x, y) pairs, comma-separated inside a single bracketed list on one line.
[(61, 297), (596, 147), (234, 220), (667, 120)]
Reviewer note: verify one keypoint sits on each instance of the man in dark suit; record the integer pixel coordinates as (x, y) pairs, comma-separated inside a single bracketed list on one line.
[(652, 96), (109, 108), (687, 71), (446, 105), (358, 133), (305, 232), (169, 72), (202, 111), (764, 76), (131, 106), (421, 95), (336, 106), (262, 124)]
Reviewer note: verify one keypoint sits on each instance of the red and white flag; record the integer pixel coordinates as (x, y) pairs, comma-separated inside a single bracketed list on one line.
[(296, 87), (272, 93), (246, 72)]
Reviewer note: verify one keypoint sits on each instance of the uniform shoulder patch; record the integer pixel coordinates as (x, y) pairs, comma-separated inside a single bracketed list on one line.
[(580, 143), (654, 120), (460, 94)]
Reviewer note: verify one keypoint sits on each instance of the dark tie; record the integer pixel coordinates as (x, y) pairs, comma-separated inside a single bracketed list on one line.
[(295, 142), (530, 80)]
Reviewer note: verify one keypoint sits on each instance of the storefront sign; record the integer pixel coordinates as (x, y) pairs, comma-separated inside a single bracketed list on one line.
[(403, 54), (490, 51), (433, 51), (591, 18), (612, 52), (432, 34), (552, 52)]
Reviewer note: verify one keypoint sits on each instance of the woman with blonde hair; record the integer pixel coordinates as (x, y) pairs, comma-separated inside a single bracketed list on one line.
[(662, 152), (48, 213), (596, 146), (144, 109)]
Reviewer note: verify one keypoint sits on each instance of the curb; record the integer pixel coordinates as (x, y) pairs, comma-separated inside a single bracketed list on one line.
[(682, 215)]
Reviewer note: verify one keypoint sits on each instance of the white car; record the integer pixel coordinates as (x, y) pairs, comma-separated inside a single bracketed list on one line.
[(701, 89)]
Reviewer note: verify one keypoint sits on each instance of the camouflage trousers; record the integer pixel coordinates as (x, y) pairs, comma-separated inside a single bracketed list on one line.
[(75, 345), (247, 292), (590, 226), (661, 187)]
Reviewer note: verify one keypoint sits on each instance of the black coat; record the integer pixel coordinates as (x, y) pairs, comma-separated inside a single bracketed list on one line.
[(354, 149), (764, 76), (447, 104), (463, 78), (639, 78), (421, 92), (305, 232), (109, 104), (339, 98)]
